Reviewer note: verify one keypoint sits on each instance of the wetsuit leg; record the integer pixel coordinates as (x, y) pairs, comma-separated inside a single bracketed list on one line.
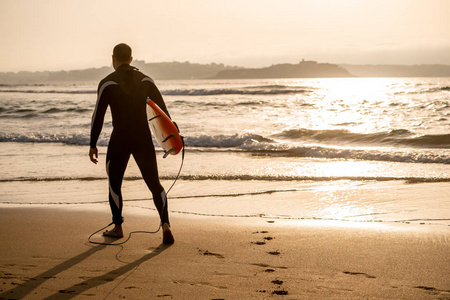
[(116, 163), (145, 157)]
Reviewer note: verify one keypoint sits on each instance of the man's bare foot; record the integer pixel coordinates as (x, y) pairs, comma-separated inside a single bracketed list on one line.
[(167, 234), (116, 232)]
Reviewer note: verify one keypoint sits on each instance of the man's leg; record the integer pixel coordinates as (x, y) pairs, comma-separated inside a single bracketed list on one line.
[(145, 157), (116, 163)]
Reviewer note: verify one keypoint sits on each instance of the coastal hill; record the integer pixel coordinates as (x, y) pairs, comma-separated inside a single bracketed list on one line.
[(181, 70), (187, 70), (159, 71), (304, 69)]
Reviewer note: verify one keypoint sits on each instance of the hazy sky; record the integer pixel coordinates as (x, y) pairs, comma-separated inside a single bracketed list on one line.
[(37, 35)]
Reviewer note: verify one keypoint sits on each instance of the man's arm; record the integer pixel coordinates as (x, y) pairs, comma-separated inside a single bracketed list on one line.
[(97, 122), (155, 95)]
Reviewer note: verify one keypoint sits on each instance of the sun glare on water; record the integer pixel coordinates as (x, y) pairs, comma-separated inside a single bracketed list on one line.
[(352, 104), (341, 201)]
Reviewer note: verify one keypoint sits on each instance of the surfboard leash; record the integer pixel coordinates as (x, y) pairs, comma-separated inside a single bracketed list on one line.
[(181, 165), (119, 243), (150, 232)]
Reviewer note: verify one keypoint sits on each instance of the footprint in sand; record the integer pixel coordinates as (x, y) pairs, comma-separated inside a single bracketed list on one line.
[(280, 292), (66, 292), (210, 253), (259, 243), (276, 281), (358, 273), (431, 289)]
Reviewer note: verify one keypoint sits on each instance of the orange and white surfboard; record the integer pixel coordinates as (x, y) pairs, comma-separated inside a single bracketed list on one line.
[(164, 130)]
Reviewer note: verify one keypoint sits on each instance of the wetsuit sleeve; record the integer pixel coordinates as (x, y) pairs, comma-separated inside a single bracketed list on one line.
[(98, 116), (155, 95)]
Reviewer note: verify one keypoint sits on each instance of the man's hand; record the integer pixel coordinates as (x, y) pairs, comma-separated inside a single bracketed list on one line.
[(93, 155)]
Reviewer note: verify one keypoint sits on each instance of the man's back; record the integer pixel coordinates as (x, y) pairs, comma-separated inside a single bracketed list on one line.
[(125, 91), (126, 94)]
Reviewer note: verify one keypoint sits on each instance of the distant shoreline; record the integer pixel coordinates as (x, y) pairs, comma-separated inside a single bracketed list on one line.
[(187, 70), (304, 69)]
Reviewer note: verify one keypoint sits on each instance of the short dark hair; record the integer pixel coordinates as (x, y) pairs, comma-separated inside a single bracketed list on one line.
[(122, 52)]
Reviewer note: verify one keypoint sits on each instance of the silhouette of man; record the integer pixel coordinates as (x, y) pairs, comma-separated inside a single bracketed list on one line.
[(125, 91)]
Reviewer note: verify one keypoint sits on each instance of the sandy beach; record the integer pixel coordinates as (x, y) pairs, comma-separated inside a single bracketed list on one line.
[(290, 189), (315, 162), (45, 255)]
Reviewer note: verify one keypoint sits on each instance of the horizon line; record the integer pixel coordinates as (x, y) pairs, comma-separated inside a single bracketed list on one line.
[(234, 66)]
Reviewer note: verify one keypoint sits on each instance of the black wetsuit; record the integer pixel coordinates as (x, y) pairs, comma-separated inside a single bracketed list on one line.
[(126, 91)]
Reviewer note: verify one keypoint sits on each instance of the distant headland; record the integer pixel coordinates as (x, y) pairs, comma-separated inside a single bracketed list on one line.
[(304, 69), (187, 70)]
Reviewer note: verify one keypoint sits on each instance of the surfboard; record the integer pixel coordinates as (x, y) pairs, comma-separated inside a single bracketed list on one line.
[(164, 130)]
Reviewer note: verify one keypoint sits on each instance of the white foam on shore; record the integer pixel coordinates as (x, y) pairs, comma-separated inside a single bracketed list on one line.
[(233, 185), (355, 201)]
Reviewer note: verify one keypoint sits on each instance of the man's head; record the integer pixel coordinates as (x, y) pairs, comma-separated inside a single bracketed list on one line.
[(121, 55)]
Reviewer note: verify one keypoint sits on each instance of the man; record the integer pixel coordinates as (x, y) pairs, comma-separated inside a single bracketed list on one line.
[(126, 91)]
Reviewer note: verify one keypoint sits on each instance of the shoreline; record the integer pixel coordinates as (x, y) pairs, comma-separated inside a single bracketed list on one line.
[(340, 200), (216, 257)]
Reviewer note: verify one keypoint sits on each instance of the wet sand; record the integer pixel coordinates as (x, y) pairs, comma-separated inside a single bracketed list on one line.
[(45, 255)]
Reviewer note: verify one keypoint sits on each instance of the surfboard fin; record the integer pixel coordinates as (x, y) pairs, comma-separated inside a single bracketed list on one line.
[(168, 152)]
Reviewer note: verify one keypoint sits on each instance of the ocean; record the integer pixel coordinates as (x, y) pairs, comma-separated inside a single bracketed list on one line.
[(327, 149)]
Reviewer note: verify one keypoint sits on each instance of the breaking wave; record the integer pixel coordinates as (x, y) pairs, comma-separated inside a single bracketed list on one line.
[(244, 91), (259, 145), (35, 91), (249, 90), (395, 137)]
